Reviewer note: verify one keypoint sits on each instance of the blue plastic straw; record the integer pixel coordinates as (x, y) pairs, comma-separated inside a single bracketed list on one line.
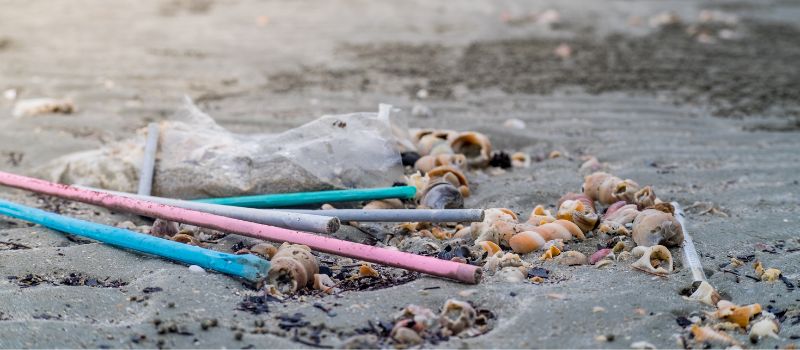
[(245, 266), (306, 198)]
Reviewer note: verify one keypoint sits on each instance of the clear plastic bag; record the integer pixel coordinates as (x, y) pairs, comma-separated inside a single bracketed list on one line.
[(198, 158)]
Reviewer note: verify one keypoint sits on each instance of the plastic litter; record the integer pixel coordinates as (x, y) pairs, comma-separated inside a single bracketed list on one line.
[(425, 264), (149, 160), (245, 266), (319, 197), (689, 251), (200, 159)]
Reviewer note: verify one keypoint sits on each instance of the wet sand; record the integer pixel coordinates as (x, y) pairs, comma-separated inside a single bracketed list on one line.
[(713, 123)]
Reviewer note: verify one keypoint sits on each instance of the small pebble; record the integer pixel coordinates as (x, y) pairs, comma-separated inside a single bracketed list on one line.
[(195, 268)]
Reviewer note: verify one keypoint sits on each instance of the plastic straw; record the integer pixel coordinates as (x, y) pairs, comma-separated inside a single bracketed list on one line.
[(398, 215), (429, 265), (305, 198), (294, 221), (245, 266), (689, 251), (149, 160)]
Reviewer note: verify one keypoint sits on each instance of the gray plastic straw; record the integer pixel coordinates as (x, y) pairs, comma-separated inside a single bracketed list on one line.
[(293, 221), (398, 215), (689, 252), (149, 160)]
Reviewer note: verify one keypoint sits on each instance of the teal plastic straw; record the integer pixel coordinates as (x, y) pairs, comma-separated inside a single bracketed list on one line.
[(307, 198), (245, 266)]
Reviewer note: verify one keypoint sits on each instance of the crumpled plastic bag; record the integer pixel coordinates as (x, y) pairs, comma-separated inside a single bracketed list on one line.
[(199, 159)]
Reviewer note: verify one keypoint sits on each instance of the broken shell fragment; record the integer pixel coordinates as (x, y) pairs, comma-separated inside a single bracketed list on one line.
[(653, 227), (572, 258), (36, 106), (475, 146), (407, 336), (550, 253), (599, 255), (621, 213), (578, 212), (497, 262), (265, 250), (324, 283), (766, 327), (520, 160), (656, 260), (706, 294), (540, 216), (645, 197), (293, 267), (392, 203), (366, 270), (456, 317), (442, 195), (490, 247), (713, 337), (419, 181), (511, 274)]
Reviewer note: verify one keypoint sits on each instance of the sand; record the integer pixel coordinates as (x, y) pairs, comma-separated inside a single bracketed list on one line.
[(713, 123)]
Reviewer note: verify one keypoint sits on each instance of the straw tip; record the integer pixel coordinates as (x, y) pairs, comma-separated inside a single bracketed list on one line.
[(469, 274), (333, 225)]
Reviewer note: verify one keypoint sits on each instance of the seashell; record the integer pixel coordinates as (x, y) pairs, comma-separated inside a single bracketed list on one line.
[(709, 335), (490, 247), (608, 189), (440, 234), (366, 270), (475, 146), (442, 195), (425, 163), (417, 318), (766, 327), (520, 160), (613, 228), (645, 197), (550, 253), (526, 242), (324, 283), (618, 248), (510, 274), (665, 207), (643, 345), (392, 203), (624, 256), (559, 229), (602, 263), (656, 260), (441, 171), (407, 336), (264, 249), (427, 142), (653, 227), (456, 317), (36, 106), (572, 258), (440, 149), (491, 230), (579, 213), (740, 315), (164, 228), (599, 255), (293, 267), (554, 154), (621, 214), (186, 239), (540, 216), (419, 181), (591, 165), (464, 190), (498, 261), (706, 294)]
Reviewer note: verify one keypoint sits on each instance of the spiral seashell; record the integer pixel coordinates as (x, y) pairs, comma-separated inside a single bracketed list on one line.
[(608, 189), (456, 316), (656, 260), (442, 195), (475, 146), (540, 216), (653, 227), (293, 267), (645, 197), (580, 211)]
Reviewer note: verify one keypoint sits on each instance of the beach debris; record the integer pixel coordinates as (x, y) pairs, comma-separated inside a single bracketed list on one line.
[(497, 226), (643, 345), (430, 162), (475, 146), (572, 258), (550, 253), (609, 189), (766, 275), (739, 315), (520, 160), (705, 294), (318, 197), (456, 317), (653, 227), (293, 268), (366, 270), (148, 161), (324, 283), (37, 106), (514, 123), (490, 247), (656, 260), (383, 204), (442, 195)]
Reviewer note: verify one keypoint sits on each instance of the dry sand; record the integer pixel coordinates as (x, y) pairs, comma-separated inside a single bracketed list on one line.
[(657, 105)]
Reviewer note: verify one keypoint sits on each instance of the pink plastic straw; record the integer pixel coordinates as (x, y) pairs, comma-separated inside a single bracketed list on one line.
[(429, 265)]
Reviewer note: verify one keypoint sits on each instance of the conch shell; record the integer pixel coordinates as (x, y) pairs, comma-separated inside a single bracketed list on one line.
[(579, 209), (528, 241), (475, 146), (608, 189), (656, 260), (456, 317), (293, 267), (653, 227)]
